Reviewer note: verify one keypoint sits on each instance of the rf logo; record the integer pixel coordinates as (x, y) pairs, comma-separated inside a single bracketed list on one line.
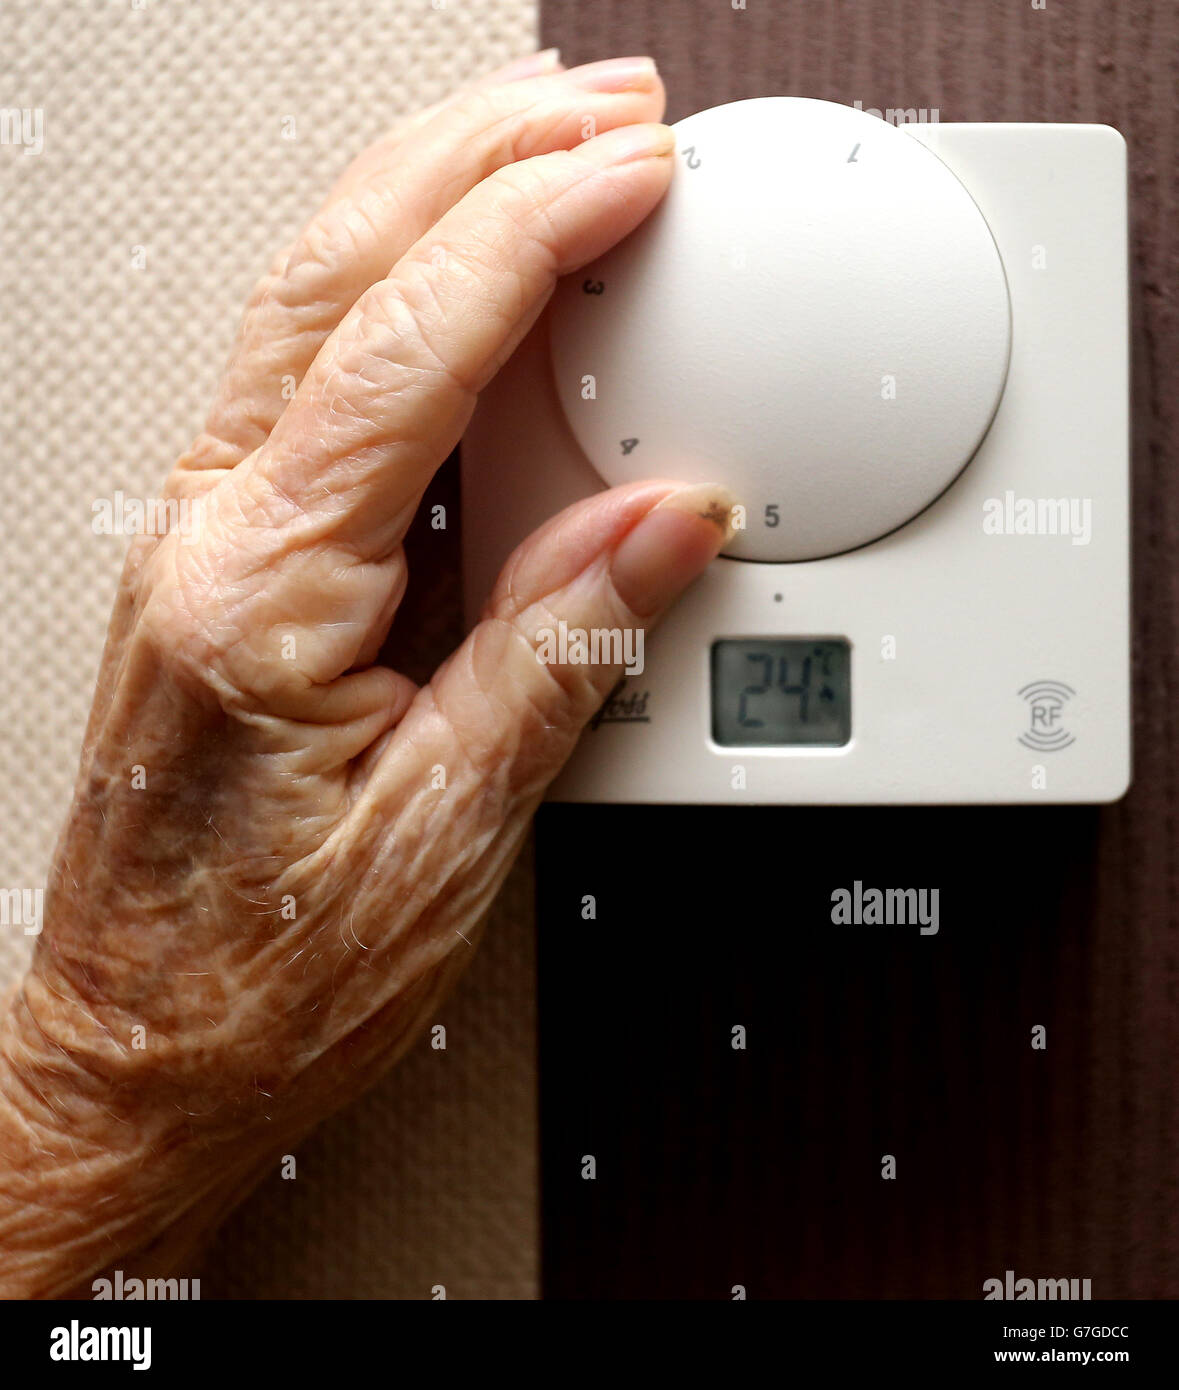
[(1046, 704)]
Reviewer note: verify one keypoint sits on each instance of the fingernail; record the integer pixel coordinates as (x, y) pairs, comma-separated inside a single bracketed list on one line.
[(635, 142), (673, 543), (615, 75), (531, 65)]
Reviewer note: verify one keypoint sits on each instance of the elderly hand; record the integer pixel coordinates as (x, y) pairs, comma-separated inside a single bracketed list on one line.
[(279, 851)]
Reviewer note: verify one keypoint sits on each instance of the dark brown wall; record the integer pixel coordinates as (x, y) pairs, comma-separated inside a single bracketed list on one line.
[(1095, 1185)]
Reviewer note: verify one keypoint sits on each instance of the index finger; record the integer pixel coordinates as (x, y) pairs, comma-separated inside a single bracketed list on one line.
[(391, 392), (392, 194)]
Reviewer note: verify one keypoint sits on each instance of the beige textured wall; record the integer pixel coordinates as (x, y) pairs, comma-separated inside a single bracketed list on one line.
[(165, 127)]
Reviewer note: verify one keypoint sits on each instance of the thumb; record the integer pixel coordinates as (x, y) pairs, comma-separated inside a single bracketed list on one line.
[(610, 566), (510, 703)]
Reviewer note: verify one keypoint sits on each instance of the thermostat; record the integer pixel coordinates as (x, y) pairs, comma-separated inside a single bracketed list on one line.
[(905, 351)]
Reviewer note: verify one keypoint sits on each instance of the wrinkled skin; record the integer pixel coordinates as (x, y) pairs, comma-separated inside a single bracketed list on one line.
[(262, 889)]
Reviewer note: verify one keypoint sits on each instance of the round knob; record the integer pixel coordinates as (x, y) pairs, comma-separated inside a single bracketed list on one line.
[(815, 315)]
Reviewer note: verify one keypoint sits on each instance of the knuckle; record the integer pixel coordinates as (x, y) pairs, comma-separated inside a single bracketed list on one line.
[(312, 264), (404, 326), (567, 692), (530, 713), (520, 229), (497, 114), (264, 290), (395, 333), (523, 192), (312, 272), (513, 120), (205, 624)]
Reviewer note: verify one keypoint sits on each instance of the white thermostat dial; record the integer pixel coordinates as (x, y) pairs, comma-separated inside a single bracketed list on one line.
[(816, 315)]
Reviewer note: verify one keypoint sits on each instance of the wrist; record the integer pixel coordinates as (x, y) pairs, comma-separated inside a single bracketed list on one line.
[(107, 1163), (80, 1183)]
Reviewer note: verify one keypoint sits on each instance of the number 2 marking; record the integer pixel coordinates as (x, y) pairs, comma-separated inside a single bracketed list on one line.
[(691, 158)]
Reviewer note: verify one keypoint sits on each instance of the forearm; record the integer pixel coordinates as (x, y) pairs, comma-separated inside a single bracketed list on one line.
[(104, 1168), (88, 1174)]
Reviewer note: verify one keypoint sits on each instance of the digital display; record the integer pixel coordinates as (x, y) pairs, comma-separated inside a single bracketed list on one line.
[(774, 692)]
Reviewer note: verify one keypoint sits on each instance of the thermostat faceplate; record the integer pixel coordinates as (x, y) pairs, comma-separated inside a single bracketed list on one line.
[(987, 638)]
